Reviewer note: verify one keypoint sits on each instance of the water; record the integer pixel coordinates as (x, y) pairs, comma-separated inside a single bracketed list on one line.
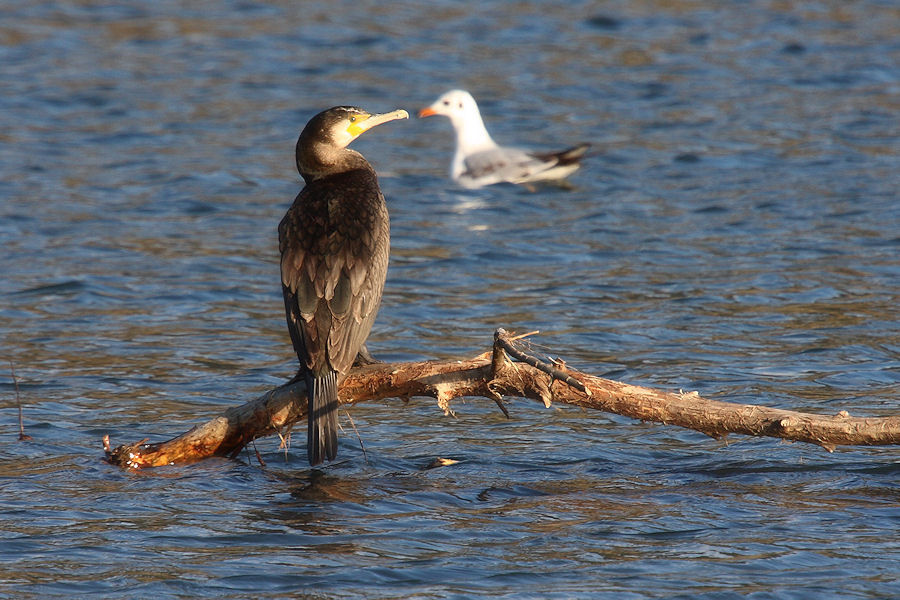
[(736, 233)]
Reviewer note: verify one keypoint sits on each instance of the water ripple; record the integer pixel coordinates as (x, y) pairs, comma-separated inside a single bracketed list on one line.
[(734, 232)]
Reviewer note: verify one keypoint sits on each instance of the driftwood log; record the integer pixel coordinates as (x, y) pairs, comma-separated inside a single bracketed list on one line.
[(495, 375)]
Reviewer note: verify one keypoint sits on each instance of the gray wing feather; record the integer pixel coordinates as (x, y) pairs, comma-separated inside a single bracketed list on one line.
[(506, 164)]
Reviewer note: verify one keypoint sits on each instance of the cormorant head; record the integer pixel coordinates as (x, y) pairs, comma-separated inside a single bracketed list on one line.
[(332, 130)]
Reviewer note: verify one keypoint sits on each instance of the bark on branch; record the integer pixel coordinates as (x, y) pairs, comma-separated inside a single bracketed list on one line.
[(494, 375)]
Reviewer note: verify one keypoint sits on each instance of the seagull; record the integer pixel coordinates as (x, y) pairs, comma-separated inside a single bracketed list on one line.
[(479, 161)]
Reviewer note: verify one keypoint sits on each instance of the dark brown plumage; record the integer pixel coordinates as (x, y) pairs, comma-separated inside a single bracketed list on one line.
[(334, 243)]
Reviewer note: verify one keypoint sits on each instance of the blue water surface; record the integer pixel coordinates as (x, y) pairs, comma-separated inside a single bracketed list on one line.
[(735, 231)]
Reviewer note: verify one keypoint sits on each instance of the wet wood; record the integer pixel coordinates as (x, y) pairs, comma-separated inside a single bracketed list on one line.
[(494, 375)]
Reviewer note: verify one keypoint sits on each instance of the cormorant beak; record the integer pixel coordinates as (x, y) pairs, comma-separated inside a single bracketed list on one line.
[(359, 127), (427, 112)]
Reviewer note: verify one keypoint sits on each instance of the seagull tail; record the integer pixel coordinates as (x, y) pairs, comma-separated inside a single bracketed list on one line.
[(569, 156), (572, 155)]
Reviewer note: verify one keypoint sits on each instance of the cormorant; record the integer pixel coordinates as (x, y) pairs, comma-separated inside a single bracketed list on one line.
[(479, 161), (334, 243)]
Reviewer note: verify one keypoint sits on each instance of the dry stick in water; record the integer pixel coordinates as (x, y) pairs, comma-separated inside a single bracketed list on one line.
[(22, 435), (492, 375)]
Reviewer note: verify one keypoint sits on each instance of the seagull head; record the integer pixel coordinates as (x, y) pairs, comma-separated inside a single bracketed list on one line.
[(455, 104), (460, 107)]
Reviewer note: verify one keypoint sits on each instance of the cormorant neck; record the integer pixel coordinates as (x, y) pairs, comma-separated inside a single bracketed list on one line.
[(320, 160)]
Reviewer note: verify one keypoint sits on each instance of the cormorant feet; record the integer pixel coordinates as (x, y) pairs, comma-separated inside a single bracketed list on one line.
[(364, 358)]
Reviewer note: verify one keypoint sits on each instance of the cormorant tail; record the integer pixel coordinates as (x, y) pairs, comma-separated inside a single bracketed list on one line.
[(322, 411)]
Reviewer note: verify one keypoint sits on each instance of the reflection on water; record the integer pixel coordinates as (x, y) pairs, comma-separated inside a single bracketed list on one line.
[(735, 233)]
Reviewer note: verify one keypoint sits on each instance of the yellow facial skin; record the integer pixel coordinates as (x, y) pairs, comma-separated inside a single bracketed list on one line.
[(361, 123), (355, 127)]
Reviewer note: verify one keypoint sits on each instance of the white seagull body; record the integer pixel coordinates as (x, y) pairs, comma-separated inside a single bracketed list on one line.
[(479, 161)]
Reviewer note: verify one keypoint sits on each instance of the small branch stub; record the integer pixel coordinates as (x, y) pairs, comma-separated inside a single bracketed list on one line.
[(502, 338)]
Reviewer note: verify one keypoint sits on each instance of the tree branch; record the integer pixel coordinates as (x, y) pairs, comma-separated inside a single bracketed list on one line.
[(494, 375)]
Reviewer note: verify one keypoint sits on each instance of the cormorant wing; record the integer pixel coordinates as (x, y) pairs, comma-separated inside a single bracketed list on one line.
[(332, 282)]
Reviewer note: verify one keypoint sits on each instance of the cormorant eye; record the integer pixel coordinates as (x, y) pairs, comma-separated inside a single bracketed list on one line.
[(353, 119)]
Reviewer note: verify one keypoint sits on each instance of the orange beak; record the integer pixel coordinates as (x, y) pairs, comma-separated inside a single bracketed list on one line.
[(427, 112)]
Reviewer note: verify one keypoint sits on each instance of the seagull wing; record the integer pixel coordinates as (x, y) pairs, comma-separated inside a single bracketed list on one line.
[(503, 165)]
